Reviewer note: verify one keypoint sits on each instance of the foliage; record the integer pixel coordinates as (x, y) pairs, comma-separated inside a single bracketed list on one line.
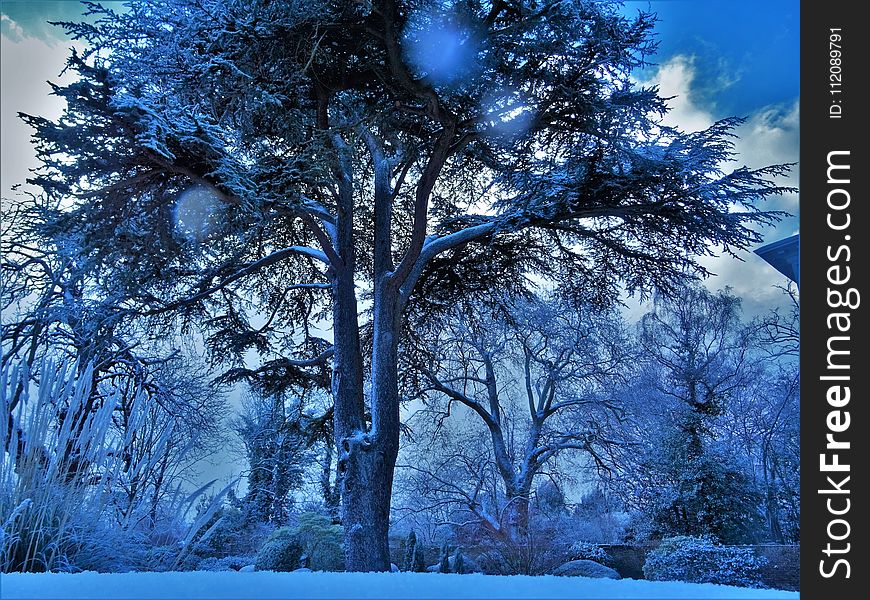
[(585, 568), (590, 551), (415, 559), (229, 532), (698, 362), (444, 559), (458, 561), (226, 563), (410, 551), (420, 565), (68, 499), (321, 541), (701, 560), (275, 449), (599, 517), (283, 551)]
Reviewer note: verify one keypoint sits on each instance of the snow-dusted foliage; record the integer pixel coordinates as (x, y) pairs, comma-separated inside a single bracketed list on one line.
[(257, 168), (227, 563), (282, 552), (71, 493), (589, 551), (698, 359), (275, 449), (701, 560)]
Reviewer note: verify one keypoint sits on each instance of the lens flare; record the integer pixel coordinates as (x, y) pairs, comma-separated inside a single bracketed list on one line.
[(196, 211)]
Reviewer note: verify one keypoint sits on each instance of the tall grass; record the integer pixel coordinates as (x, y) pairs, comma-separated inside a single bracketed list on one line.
[(64, 505)]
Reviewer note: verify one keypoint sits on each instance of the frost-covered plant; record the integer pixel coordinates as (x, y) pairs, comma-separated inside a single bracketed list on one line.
[(56, 467), (444, 559), (65, 499), (458, 561), (589, 551), (321, 541), (230, 534), (227, 563), (702, 560), (283, 551)]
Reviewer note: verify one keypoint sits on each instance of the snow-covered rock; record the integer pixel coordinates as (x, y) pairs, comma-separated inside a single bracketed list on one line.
[(585, 568), (247, 569)]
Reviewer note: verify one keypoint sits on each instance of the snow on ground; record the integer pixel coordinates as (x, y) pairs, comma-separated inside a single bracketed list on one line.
[(389, 586)]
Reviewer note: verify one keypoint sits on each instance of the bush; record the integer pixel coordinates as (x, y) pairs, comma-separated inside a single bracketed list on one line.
[(321, 542), (282, 552), (458, 562), (227, 533), (415, 560), (702, 560), (585, 568), (590, 551), (228, 563)]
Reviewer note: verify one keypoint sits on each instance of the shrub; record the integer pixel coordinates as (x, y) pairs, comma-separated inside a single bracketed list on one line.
[(282, 552), (410, 551), (458, 561), (590, 551), (585, 568), (227, 533), (321, 541), (702, 560), (444, 559), (227, 563)]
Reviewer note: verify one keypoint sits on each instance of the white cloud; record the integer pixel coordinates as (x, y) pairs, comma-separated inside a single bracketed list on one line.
[(11, 29), (770, 135), (26, 63), (674, 80)]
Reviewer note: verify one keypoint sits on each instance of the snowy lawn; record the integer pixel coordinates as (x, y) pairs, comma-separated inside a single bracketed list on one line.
[(263, 585)]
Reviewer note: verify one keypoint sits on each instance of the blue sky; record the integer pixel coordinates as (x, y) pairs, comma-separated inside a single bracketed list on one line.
[(747, 53)]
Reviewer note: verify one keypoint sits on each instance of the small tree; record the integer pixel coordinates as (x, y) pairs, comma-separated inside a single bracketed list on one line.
[(419, 558), (697, 360), (458, 561), (410, 551), (444, 559)]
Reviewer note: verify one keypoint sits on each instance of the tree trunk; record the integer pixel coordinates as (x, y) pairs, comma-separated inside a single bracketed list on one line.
[(367, 459), (518, 519), (367, 482)]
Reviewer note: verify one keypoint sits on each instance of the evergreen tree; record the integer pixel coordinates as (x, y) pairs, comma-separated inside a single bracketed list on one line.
[(419, 558), (410, 552), (458, 561), (444, 559)]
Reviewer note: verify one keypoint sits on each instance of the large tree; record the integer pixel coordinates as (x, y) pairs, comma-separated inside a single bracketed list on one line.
[(265, 165), (698, 363), (536, 378)]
